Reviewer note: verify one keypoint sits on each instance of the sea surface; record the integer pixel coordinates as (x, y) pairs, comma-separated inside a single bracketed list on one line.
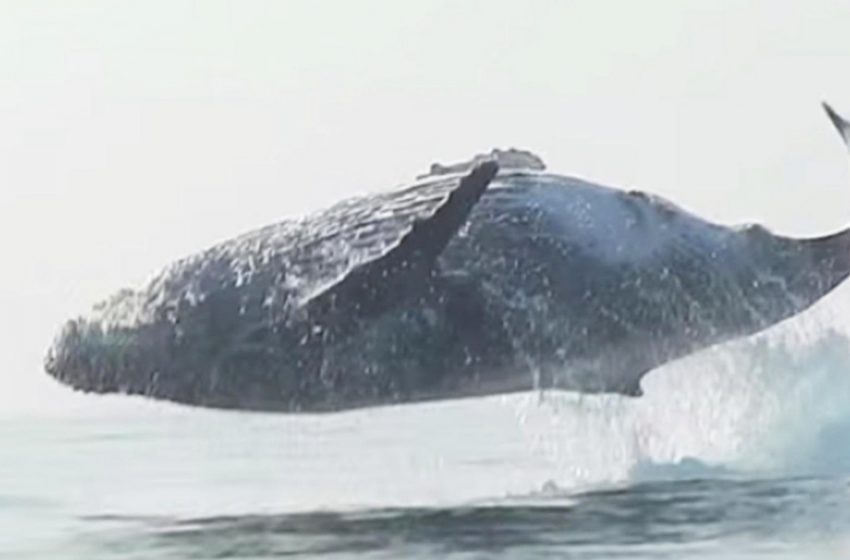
[(742, 451)]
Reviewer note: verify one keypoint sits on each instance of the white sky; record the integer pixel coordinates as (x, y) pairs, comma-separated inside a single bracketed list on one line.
[(132, 134)]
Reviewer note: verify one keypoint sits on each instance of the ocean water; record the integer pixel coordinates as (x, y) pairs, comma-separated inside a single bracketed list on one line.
[(741, 451)]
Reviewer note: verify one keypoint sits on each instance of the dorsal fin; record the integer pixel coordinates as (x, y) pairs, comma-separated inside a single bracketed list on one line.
[(839, 122), (377, 285), (511, 158)]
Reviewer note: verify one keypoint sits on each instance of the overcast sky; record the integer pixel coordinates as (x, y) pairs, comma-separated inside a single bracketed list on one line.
[(132, 134)]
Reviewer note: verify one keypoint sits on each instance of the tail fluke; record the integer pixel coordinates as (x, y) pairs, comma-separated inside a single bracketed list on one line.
[(840, 123)]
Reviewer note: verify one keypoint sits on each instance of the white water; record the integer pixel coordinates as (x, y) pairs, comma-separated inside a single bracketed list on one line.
[(777, 403)]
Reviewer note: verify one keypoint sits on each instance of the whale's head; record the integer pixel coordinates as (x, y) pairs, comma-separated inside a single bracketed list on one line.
[(106, 353), (89, 357), (203, 343)]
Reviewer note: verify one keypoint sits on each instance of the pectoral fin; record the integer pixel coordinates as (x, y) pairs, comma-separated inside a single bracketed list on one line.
[(376, 286)]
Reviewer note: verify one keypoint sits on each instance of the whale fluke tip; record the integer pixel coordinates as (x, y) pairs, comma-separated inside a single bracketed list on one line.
[(839, 122)]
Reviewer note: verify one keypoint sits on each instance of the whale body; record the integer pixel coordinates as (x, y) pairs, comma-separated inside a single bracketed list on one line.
[(485, 277)]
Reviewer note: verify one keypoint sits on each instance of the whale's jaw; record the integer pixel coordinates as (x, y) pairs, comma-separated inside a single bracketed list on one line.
[(92, 357)]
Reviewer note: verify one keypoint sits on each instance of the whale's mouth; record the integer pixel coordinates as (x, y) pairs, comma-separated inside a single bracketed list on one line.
[(90, 357), (86, 357)]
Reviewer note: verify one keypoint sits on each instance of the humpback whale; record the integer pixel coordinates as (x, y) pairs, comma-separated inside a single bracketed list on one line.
[(484, 277)]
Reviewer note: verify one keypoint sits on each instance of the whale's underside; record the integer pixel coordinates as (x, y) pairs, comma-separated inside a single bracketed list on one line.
[(477, 279)]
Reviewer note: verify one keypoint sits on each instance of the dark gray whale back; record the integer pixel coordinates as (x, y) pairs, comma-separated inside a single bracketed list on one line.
[(466, 283)]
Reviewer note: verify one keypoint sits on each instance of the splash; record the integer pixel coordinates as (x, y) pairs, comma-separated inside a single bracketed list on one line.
[(774, 404)]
